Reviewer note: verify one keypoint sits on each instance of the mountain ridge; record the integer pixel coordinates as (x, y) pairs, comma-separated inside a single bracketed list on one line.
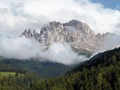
[(78, 34)]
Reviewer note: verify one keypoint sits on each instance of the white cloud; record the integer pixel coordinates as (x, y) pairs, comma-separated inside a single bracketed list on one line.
[(62, 53), (23, 48), (16, 15), (19, 48)]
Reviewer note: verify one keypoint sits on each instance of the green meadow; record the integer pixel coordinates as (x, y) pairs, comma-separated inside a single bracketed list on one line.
[(6, 74)]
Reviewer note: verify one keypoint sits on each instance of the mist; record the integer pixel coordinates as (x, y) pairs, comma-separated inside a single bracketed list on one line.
[(111, 41), (24, 49)]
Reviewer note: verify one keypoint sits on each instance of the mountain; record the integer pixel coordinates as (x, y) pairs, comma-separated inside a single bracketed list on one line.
[(78, 34)]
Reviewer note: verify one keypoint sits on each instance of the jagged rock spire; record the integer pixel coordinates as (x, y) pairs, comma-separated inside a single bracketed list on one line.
[(78, 34)]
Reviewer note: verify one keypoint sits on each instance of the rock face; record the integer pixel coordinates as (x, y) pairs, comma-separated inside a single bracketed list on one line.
[(78, 34)]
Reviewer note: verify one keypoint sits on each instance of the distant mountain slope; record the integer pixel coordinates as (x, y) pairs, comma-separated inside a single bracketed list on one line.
[(102, 72), (103, 59), (44, 69)]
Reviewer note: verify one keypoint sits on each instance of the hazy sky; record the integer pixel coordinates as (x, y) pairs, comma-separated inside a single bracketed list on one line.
[(101, 15), (114, 4)]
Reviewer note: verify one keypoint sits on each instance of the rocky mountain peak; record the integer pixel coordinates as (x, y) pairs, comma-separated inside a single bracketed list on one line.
[(54, 23), (78, 34), (73, 23), (27, 33), (78, 25)]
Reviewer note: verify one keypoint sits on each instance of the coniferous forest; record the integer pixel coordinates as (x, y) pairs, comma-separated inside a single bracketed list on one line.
[(101, 72)]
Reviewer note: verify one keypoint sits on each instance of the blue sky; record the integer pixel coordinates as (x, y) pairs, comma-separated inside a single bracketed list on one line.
[(114, 4)]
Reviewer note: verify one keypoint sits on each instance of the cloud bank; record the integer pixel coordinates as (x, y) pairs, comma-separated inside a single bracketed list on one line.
[(26, 49), (23, 48), (17, 15)]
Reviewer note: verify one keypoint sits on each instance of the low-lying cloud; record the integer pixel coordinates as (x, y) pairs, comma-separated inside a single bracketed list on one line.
[(23, 48), (19, 48), (62, 53)]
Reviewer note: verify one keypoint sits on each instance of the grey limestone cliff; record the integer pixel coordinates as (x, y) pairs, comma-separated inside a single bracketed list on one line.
[(78, 34)]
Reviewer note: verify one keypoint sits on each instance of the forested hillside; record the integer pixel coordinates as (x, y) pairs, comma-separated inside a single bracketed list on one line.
[(102, 72), (44, 69)]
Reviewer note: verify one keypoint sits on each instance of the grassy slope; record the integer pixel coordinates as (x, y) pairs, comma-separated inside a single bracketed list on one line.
[(6, 74)]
